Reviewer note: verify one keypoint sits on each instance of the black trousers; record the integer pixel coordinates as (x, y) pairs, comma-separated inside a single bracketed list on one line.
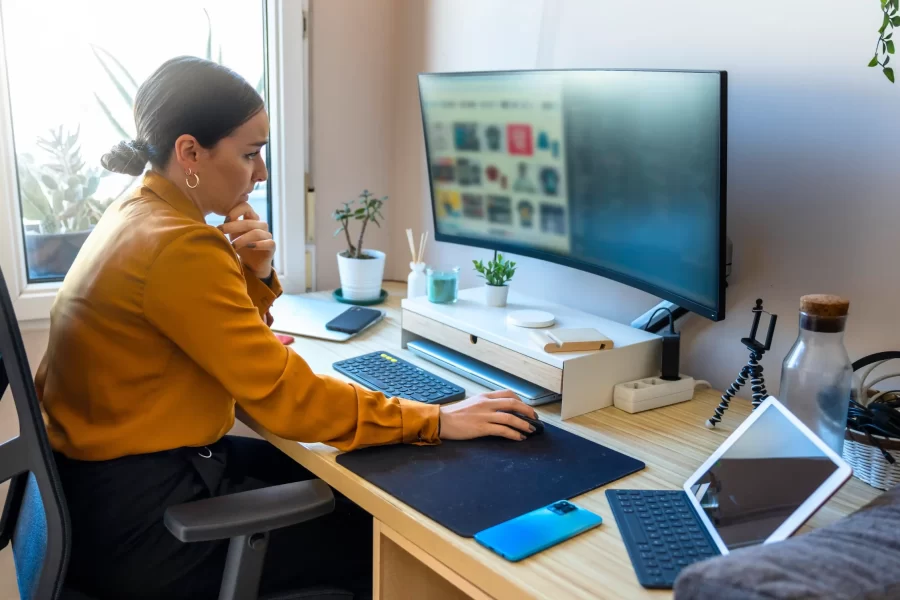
[(121, 550)]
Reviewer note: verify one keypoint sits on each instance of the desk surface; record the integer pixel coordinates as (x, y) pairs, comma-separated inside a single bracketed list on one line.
[(672, 441)]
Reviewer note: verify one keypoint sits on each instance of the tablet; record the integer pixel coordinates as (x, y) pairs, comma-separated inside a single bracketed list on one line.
[(765, 481)]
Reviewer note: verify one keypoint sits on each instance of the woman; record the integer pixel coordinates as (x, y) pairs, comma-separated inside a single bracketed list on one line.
[(160, 327)]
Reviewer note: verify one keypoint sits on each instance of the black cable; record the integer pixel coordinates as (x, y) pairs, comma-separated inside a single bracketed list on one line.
[(881, 417), (655, 312)]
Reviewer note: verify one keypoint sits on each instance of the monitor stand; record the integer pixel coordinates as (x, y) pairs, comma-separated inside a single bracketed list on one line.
[(585, 379)]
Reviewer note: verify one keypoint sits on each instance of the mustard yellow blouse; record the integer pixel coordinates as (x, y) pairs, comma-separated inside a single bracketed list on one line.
[(158, 330)]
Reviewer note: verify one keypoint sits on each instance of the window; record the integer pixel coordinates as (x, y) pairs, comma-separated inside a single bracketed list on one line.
[(66, 93), (73, 75)]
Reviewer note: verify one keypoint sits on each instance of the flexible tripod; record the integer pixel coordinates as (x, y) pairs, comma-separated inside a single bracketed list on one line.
[(752, 370)]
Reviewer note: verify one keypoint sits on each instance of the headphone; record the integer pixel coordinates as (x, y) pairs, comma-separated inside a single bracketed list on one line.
[(880, 413)]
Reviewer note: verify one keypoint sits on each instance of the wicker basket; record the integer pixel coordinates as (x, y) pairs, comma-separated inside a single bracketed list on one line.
[(869, 465)]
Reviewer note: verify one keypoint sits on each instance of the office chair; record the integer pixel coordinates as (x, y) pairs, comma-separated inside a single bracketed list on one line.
[(36, 522)]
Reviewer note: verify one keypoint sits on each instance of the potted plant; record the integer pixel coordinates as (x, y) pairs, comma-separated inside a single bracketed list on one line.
[(496, 273), (361, 270), (58, 197)]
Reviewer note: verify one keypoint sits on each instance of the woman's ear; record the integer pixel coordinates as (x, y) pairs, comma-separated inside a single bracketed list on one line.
[(187, 152)]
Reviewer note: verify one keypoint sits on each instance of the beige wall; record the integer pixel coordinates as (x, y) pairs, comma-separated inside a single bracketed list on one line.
[(350, 117), (811, 178)]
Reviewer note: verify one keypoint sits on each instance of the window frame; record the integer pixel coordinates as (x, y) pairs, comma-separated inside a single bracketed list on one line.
[(286, 86)]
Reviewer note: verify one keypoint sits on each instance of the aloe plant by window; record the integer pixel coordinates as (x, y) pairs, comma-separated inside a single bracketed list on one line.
[(60, 190)]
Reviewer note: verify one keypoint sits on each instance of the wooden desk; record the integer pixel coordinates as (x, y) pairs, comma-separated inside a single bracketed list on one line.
[(417, 558)]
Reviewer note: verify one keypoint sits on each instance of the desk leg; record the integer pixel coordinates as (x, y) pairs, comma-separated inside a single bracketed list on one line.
[(403, 570)]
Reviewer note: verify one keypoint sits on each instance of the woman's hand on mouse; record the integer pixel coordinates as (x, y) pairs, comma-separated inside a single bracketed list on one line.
[(251, 239), (478, 416)]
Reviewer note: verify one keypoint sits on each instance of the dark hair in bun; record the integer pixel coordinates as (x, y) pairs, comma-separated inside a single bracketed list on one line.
[(186, 95), (127, 157)]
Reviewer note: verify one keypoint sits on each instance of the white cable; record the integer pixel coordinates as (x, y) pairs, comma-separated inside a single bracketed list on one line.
[(862, 392), (699, 383), (877, 380)]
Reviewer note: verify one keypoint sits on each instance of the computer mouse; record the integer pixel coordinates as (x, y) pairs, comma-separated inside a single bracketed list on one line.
[(538, 426)]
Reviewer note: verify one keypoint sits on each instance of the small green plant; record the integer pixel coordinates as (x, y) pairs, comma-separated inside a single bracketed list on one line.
[(59, 191), (369, 209), (497, 271), (884, 47)]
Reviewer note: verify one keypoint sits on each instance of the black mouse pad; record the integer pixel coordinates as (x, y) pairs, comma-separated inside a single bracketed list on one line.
[(472, 485)]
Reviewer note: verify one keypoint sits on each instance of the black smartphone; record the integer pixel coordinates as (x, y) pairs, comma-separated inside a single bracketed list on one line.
[(353, 320)]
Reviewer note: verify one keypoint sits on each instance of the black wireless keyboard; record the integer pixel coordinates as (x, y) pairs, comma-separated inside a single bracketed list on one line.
[(384, 372), (661, 532)]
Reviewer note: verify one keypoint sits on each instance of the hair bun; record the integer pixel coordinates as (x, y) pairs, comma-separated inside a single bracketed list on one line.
[(127, 157)]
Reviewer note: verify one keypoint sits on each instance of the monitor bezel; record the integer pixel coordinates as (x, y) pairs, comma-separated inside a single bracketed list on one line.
[(803, 512), (714, 313)]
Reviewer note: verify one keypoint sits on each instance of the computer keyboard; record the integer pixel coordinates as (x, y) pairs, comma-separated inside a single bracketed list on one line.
[(384, 372), (661, 532)]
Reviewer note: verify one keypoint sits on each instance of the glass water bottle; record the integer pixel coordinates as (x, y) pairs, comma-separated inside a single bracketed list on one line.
[(817, 374)]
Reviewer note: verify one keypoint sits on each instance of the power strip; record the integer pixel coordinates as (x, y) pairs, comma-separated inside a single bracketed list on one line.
[(652, 392)]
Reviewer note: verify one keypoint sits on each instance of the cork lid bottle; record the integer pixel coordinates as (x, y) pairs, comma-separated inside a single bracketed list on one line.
[(823, 312)]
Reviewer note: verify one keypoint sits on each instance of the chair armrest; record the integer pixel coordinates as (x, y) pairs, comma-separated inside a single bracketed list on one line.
[(246, 513)]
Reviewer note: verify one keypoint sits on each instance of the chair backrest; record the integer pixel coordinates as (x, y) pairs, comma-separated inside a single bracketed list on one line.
[(34, 516)]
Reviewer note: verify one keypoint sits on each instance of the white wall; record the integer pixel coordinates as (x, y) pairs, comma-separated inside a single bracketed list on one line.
[(812, 201)]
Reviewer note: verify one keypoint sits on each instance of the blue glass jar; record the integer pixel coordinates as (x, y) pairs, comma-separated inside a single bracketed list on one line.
[(443, 285)]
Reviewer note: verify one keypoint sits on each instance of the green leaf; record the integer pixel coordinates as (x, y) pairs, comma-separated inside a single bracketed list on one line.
[(115, 123), (889, 36), (208, 35), (129, 99), (337, 231), (92, 184), (49, 182), (887, 60), (890, 47), (889, 73), (58, 205), (874, 61), (35, 204), (895, 21)]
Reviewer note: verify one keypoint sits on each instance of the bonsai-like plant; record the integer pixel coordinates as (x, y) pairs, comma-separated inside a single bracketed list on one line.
[(59, 192), (369, 209), (884, 47), (497, 271)]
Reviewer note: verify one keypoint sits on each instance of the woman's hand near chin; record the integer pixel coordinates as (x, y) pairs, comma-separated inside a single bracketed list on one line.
[(251, 239)]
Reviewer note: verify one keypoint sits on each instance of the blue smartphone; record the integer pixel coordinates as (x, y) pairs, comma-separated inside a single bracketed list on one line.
[(538, 530)]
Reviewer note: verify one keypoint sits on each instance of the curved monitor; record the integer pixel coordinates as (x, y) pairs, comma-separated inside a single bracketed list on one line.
[(615, 172)]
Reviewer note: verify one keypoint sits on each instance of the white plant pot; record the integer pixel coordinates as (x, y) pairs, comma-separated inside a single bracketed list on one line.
[(361, 277), (495, 295)]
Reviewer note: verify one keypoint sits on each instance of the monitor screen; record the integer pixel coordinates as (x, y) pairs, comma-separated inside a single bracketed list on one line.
[(758, 483), (620, 173)]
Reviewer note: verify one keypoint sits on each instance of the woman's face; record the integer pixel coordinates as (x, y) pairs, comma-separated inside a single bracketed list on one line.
[(233, 167)]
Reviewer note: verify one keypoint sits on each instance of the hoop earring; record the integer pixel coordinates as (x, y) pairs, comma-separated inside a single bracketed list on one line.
[(196, 180)]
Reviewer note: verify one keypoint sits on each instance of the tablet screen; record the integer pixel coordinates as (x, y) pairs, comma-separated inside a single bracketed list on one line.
[(758, 483)]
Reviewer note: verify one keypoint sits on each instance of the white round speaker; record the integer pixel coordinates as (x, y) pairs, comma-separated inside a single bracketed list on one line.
[(530, 318)]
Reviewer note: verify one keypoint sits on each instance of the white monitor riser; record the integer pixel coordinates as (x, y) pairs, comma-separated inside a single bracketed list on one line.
[(585, 379)]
